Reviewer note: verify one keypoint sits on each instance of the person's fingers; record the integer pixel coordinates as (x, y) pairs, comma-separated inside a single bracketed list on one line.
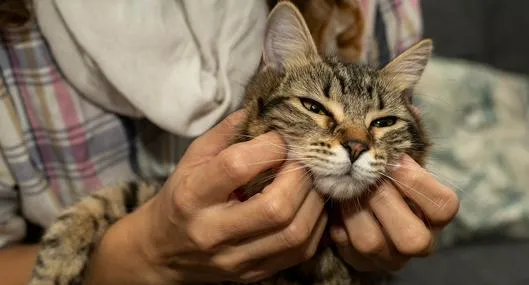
[(215, 139), (276, 207), (358, 261), (289, 258), (405, 230), (363, 243), (364, 231), (214, 181), (292, 236), (438, 202), (387, 259)]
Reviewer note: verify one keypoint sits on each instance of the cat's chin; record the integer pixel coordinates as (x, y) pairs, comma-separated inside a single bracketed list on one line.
[(343, 187)]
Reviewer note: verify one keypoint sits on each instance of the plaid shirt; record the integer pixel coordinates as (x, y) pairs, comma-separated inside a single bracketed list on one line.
[(56, 146)]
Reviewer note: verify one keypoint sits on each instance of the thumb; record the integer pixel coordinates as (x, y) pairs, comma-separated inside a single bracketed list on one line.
[(216, 139), (235, 166)]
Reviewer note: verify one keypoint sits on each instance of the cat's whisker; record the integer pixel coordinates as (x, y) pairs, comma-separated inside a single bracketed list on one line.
[(288, 148), (327, 199), (291, 170), (458, 189), (412, 189), (358, 202), (425, 170), (264, 179), (279, 146), (274, 175), (307, 176), (271, 160), (422, 95)]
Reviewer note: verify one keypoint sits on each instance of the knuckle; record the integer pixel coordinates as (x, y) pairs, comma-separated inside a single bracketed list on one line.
[(183, 200), (233, 163), (418, 242), (278, 211), (202, 240), (295, 235), (370, 245), (227, 265)]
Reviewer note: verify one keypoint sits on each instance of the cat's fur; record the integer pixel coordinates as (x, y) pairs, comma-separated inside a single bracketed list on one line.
[(344, 122)]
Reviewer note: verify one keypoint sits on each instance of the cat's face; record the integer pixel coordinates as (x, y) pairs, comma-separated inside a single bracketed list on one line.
[(346, 123)]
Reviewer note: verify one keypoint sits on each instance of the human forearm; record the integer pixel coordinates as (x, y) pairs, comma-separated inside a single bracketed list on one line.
[(124, 254), (120, 256), (16, 264)]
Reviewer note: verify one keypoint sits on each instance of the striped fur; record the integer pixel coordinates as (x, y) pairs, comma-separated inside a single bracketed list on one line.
[(67, 244), (350, 100)]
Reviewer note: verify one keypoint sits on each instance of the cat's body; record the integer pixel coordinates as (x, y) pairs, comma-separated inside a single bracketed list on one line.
[(346, 123)]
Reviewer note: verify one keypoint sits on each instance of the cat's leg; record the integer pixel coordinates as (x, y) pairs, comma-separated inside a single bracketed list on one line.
[(67, 244)]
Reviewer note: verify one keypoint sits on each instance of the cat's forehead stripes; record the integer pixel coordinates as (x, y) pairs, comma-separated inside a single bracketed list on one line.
[(357, 82), (327, 85)]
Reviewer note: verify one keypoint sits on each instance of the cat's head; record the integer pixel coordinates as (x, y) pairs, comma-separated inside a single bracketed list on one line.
[(346, 123)]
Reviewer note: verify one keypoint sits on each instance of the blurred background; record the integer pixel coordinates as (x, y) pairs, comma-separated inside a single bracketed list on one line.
[(495, 32), (479, 116)]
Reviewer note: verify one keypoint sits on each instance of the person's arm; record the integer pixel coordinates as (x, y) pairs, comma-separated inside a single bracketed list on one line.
[(118, 258), (190, 231), (16, 264)]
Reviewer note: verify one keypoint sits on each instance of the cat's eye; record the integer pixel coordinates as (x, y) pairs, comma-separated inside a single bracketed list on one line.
[(384, 122), (313, 106)]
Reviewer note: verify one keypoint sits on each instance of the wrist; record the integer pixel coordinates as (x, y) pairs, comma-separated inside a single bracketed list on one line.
[(123, 255)]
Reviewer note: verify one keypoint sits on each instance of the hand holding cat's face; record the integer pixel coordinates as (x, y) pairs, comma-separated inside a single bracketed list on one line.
[(385, 232), (195, 234)]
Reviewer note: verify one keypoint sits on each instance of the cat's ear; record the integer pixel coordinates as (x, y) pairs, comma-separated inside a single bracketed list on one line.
[(406, 69), (287, 38)]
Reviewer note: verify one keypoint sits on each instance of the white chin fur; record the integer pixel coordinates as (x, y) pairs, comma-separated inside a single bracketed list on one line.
[(341, 185)]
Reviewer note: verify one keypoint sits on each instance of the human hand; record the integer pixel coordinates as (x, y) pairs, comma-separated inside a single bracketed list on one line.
[(194, 234), (385, 232)]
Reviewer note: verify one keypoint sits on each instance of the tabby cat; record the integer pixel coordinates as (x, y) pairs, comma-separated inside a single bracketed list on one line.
[(345, 122)]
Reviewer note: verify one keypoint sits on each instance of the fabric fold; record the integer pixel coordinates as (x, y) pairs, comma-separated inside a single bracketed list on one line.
[(145, 70)]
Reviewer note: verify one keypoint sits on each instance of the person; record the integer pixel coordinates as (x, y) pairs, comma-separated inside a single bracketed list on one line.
[(65, 134)]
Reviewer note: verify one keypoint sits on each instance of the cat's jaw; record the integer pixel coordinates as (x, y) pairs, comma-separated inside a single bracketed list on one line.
[(343, 187), (343, 180)]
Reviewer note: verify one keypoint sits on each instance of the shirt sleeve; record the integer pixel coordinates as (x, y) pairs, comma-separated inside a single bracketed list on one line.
[(391, 27)]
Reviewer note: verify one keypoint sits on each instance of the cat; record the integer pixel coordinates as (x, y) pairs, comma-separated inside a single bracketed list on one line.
[(346, 122)]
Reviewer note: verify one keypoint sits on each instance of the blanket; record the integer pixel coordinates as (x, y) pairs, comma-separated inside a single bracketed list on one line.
[(478, 117)]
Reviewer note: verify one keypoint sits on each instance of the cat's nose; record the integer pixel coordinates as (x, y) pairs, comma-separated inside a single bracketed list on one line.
[(355, 149)]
